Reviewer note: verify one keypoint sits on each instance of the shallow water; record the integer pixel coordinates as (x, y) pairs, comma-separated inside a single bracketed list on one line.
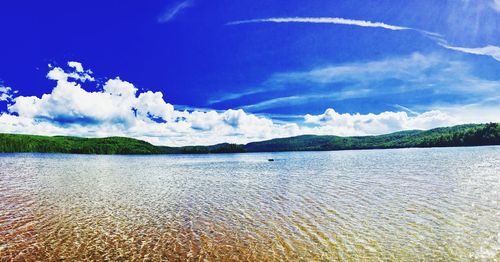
[(401, 204)]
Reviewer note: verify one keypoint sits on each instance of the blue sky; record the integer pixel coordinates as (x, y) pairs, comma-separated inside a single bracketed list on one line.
[(322, 67)]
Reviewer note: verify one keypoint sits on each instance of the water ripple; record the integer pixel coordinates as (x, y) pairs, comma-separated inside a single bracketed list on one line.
[(374, 205)]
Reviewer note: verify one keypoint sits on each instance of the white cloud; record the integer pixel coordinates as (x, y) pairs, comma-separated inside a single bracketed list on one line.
[(58, 73), (370, 124), (233, 96), (307, 98), (76, 65), (495, 4), (482, 111), (321, 20), (172, 11), (5, 93), (119, 109), (426, 73), (489, 50), (407, 67)]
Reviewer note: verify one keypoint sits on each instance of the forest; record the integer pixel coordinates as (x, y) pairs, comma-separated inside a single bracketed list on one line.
[(462, 135)]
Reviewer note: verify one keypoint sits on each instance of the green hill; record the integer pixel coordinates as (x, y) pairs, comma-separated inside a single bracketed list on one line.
[(219, 148), (75, 145), (463, 135)]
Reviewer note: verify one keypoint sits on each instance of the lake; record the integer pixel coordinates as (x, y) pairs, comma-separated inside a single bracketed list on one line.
[(399, 204)]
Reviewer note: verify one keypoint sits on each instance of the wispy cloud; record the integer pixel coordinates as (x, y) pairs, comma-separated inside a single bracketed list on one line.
[(406, 109), (416, 74), (490, 50), (234, 96), (172, 11), (321, 20), (495, 4), (307, 98), (359, 76)]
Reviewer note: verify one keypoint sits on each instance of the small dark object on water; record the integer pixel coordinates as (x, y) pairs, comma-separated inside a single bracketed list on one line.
[(270, 160)]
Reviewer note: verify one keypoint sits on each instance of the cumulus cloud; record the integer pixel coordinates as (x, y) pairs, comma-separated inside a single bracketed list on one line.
[(371, 124), (5, 93), (76, 65), (58, 73), (118, 108)]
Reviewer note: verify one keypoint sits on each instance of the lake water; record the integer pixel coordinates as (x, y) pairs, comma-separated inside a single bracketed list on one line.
[(401, 204)]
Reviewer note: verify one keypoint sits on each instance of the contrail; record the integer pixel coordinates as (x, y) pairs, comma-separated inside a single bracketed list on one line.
[(489, 50), (173, 11), (321, 20)]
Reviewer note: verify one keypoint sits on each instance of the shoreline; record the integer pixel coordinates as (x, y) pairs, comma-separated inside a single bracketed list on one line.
[(456, 136), (243, 153)]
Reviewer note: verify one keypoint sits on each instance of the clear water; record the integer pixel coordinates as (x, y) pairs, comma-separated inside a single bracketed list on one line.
[(404, 204)]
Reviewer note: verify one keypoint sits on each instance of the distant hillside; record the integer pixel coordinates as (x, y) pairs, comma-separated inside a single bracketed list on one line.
[(219, 148), (463, 135), (75, 145)]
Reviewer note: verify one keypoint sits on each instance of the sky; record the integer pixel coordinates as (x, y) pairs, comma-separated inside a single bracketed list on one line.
[(199, 72)]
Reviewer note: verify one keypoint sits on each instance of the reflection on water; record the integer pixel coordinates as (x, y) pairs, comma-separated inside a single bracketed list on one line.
[(408, 204)]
